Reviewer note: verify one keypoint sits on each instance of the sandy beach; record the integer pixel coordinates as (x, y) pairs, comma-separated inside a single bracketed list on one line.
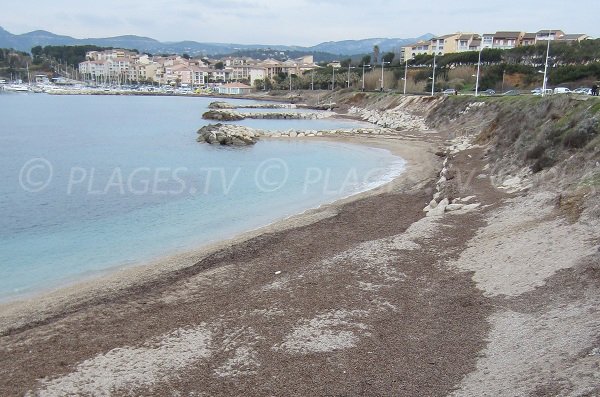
[(367, 296)]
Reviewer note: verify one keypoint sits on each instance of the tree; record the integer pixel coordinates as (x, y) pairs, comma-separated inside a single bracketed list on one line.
[(365, 60), (375, 53), (219, 65), (185, 56), (388, 57), (345, 63)]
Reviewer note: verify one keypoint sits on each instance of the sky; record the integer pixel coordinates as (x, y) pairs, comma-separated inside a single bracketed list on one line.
[(295, 22)]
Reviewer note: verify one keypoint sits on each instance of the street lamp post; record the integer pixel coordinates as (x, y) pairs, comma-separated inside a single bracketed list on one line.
[(349, 67), (405, 74), (545, 86), (382, 66), (363, 76), (333, 79), (433, 78), (478, 69)]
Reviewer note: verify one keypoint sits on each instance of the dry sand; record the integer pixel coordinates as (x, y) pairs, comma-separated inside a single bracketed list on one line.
[(362, 297)]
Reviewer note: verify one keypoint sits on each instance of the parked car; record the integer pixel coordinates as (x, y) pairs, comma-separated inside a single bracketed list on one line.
[(450, 91), (562, 90), (489, 91), (539, 91), (583, 91), (512, 93)]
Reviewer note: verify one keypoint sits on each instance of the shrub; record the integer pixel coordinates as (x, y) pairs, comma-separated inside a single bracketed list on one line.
[(579, 136), (536, 152), (542, 163)]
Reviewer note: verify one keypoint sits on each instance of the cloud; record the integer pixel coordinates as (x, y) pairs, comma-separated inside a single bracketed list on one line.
[(300, 22)]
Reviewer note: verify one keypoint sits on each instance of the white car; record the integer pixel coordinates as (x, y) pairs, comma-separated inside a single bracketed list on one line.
[(539, 91), (562, 90)]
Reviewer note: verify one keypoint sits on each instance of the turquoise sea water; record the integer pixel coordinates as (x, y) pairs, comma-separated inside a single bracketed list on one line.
[(95, 182)]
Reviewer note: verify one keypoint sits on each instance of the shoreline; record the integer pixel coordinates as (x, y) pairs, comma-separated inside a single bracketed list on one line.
[(36, 306), (67, 284), (491, 289)]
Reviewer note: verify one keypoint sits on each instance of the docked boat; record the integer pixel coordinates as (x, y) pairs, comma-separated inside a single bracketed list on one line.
[(16, 88)]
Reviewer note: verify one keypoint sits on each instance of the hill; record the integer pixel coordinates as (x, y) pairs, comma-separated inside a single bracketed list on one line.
[(24, 42), (353, 47)]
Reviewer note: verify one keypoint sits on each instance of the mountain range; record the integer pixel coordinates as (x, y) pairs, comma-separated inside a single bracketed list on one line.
[(25, 41)]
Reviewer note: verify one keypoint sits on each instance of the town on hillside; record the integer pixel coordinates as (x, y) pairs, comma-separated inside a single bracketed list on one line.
[(122, 66), (125, 66), (114, 69)]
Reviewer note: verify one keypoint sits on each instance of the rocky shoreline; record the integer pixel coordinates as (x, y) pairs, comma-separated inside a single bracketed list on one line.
[(236, 135), (231, 115), (385, 123), (229, 105)]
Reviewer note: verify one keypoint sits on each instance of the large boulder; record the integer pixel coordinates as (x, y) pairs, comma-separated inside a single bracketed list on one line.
[(221, 105), (229, 135), (223, 115)]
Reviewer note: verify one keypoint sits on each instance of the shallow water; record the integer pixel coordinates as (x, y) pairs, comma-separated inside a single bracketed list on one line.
[(95, 182)]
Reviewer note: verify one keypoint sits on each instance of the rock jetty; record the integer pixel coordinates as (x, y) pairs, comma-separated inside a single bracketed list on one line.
[(232, 115), (229, 135), (227, 105), (395, 118), (223, 115), (237, 135)]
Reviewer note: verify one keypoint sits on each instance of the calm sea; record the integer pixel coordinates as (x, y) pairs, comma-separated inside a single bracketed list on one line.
[(91, 183)]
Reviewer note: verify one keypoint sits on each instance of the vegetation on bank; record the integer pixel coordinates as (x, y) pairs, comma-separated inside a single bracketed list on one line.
[(558, 133)]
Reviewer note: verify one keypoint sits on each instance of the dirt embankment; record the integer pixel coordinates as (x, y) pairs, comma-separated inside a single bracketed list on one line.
[(537, 259), (550, 143)]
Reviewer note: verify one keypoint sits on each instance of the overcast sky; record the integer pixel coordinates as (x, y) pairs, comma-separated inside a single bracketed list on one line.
[(295, 22)]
